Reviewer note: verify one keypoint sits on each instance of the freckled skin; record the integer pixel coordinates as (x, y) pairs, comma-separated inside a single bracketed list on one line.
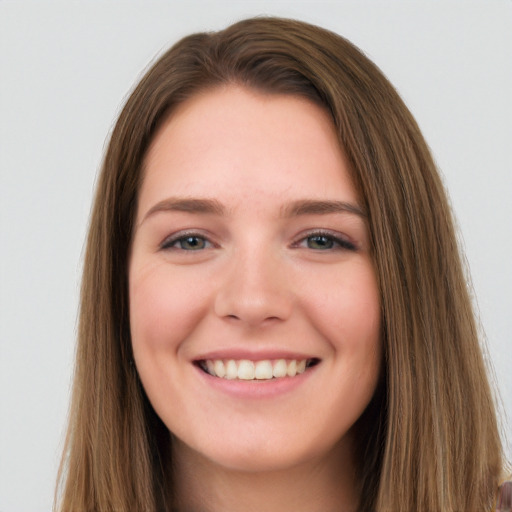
[(258, 282)]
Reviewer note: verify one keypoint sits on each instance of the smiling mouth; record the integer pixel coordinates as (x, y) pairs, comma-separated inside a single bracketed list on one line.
[(244, 369)]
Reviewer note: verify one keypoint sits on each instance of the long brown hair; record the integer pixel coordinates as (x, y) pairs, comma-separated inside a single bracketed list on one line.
[(429, 439)]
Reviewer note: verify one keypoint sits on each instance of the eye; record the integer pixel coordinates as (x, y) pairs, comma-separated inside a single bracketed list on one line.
[(188, 242), (325, 241), (320, 242)]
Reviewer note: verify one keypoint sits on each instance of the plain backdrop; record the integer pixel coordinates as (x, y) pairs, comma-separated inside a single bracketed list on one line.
[(65, 69)]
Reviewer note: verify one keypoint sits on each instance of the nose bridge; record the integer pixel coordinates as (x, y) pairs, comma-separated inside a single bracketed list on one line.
[(254, 287)]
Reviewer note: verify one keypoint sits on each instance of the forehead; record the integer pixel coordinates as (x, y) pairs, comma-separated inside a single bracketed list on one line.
[(238, 143)]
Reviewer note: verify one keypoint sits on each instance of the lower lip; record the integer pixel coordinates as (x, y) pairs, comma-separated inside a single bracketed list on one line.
[(255, 389)]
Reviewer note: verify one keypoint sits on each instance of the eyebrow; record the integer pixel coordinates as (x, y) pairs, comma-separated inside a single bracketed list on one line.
[(320, 207), (294, 209), (176, 204)]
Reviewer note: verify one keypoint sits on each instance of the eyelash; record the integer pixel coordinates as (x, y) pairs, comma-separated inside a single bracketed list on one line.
[(337, 242), (172, 242)]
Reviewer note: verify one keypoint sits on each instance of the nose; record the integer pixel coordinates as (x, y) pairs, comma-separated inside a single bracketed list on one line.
[(254, 289)]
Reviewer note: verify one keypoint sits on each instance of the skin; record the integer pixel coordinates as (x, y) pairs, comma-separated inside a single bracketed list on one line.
[(254, 274)]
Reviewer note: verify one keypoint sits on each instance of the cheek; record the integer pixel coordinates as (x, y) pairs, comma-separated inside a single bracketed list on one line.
[(162, 310), (348, 315), (347, 308), (165, 308)]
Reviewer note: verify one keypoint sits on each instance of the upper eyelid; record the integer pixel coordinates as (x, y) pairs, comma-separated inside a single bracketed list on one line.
[(323, 232)]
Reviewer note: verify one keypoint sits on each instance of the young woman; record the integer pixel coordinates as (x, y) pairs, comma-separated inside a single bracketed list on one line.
[(274, 315)]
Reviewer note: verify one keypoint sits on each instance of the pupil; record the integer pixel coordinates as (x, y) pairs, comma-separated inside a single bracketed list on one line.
[(320, 242), (192, 242)]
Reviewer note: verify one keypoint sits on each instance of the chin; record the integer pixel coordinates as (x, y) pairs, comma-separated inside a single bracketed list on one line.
[(258, 461), (260, 454)]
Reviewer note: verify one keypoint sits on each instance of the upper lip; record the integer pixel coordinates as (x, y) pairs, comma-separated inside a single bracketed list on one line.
[(253, 355)]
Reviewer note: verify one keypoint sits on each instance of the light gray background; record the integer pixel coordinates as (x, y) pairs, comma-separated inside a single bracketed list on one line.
[(65, 69)]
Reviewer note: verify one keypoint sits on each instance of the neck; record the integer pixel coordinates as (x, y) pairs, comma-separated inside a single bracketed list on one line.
[(322, 485)]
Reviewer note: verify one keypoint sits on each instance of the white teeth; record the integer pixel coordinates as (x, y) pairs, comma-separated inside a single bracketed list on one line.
[(218, 368), (210, 367), (263, 370), (231, 370), (292, 368), (249, 370), (245, 370), (280, 369)]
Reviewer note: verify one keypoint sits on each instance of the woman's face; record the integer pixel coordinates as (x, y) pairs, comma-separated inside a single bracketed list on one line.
[(254, 307)]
